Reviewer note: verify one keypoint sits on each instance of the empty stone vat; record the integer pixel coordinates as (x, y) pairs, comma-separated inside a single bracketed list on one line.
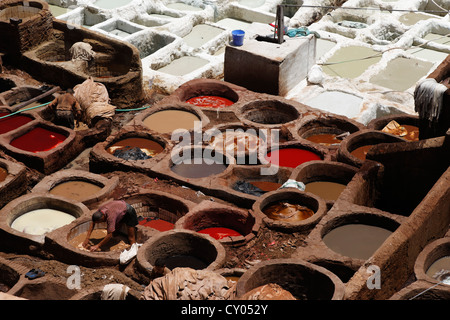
[(230, 225), (326, 179), (181, 248), (354, 148), (10, 274), (26, 221), (433, 263), (290, 209), (44, 288), (268, 112), (304, 280), (77, 185)]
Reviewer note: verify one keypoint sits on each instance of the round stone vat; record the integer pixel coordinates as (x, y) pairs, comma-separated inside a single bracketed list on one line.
[(354, 148), (304, 280), (159, 210), (173, 120), (245, 184), (27, 221), (422, 290), (326, 179), (199, 162), (433, 263), (230, 225), (405, 126), (44, 288), (208, 93), (233, 274), (292, 154), (240, 141), (324, 131), (9, 275), (66, 243), (77, 185), (181, 248), (41, 146), (132, 147), (357, 235), (268, 112), (290, 209)]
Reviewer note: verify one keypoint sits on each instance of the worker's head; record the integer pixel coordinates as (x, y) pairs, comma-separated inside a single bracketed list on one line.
[(98, 216), (159, 266), (70, 91)]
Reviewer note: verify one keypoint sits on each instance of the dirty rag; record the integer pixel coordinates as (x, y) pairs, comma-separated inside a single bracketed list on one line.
[(114, 291)]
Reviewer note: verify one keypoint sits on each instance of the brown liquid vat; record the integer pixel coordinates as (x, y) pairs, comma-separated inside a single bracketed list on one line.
[(293, 196), (106, 186), (209, 214), (100, 160), (304, 280), (15, 182), (408, 120), (13, 239), (174, 243), (161, 109), (359, 139), (342, 215), (324, 170)]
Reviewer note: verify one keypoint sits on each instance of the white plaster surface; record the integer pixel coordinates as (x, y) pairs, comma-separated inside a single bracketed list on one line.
[(402, 30)]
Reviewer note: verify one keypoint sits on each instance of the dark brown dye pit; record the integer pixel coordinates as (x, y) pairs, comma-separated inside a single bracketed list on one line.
[(361, 152), (324, 139), (199, 168), (285, 211), (184, 261), (266, 185)]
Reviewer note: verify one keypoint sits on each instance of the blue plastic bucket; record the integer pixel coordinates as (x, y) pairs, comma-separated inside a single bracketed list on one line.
[(238, 37)]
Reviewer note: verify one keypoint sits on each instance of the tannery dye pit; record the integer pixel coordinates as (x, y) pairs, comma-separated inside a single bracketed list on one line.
[(124, 123)]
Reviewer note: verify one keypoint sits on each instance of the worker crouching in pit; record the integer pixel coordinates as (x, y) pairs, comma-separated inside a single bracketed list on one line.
[(66, 110), (114, 213)]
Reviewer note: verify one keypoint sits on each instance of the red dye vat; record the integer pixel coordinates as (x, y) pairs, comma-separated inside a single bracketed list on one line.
[(158, 224), (291, 157), (220, 232), (13, 122), (38, 140), (210, 101)]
